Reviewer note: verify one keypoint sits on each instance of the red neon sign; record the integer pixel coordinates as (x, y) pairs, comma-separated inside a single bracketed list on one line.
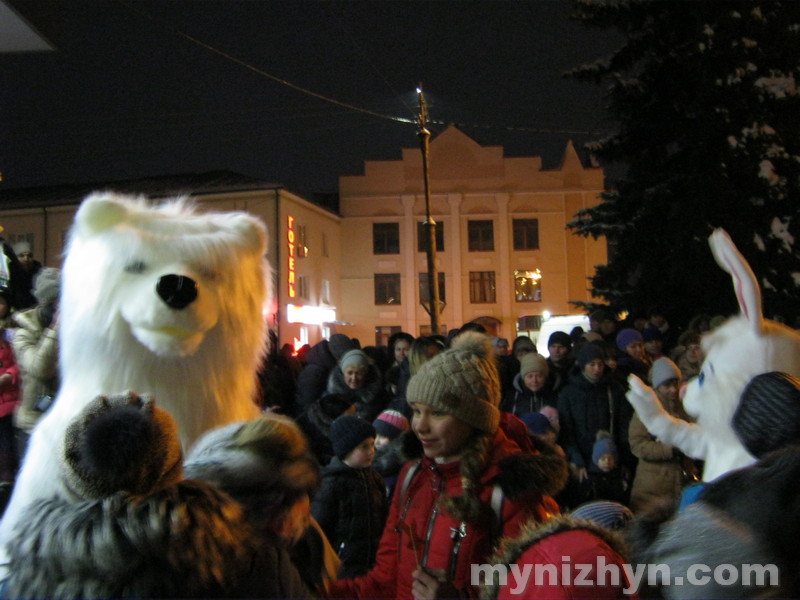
[(291, 245)]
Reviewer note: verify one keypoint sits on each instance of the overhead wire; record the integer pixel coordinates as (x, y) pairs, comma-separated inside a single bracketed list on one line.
[(346, 105)]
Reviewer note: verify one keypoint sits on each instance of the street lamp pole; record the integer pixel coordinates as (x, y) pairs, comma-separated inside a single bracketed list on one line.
[(430, 224)]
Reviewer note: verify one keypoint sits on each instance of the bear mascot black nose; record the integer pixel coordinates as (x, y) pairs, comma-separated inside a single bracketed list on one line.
[(178, 291)]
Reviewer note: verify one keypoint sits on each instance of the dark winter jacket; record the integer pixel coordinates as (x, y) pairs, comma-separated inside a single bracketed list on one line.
[(186, 541), (559, 374), (351, 507), (584, 408), (443, 542), (600, 485), (399, 403), (371, 397), (313, 378), (561, 542), (521, 401), (316, 425), (749, 516)]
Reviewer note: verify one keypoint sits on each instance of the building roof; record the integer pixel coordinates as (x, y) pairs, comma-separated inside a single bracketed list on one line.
[(167, 185)]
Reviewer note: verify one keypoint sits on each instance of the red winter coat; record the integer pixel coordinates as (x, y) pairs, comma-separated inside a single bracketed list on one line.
[(525, 479), (9, 395), (565, 553)]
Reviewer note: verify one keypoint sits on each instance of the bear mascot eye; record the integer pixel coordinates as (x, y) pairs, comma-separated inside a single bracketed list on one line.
[(136, 267)]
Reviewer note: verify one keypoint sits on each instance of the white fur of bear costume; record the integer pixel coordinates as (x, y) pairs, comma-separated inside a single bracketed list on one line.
[(745, 346), (162, 300)]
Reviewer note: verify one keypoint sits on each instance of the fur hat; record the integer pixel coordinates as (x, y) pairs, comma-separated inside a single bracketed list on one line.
[(265, 456), (120, 443), (339, 344), (462, 381), (390, 424), (626, 337), (768, 415), (560, 337), (354, 358), (347, 432), (47, 285), (603, 445), (663, 370), (533, 361), (588, 353)]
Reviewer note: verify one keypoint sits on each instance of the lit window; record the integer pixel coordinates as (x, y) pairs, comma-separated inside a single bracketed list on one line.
[(528, 286)]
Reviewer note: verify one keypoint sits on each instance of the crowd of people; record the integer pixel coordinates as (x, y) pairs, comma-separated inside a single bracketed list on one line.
[(373, 472)]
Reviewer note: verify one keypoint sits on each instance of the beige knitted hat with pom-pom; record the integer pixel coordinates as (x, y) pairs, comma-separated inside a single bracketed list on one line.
[(462, 381)]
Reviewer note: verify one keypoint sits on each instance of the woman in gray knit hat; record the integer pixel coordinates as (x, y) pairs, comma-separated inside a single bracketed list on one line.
[(466, 485)]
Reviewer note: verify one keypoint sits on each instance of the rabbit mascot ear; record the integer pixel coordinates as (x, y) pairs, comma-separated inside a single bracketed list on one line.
[(745, 346)]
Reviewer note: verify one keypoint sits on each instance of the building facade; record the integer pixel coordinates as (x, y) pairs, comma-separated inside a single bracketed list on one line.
[(504, 254), (303, 251)]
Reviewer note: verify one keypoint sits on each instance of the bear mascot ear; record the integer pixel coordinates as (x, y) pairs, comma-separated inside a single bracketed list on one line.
[(98, 212), (250, 232)]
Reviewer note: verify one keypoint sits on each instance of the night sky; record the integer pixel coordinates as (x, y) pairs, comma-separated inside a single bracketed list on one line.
[(144, 88)]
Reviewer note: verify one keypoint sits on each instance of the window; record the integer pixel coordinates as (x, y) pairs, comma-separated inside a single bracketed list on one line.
[(325, 291), (481, 287), (302, 242), (387, 288), (526, 234), (324, 245), (386, 238), (424, 296), (481, 236), (422, 236), (528, 286), (302, 286)]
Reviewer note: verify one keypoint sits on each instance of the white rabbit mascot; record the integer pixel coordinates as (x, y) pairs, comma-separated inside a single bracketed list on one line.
[(745, 346)]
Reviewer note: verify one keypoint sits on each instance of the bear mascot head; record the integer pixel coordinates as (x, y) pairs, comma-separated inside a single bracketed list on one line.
[(747, 345), (160, 299)]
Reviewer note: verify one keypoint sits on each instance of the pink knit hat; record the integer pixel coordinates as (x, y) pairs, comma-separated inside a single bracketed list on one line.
[(390, 423)]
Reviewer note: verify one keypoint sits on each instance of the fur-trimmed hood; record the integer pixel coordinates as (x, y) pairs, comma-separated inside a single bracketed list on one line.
[(511, 550), (188, 540), (517, 472)]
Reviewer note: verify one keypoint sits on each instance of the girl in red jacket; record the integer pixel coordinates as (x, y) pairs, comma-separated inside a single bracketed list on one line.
[(466, 486)]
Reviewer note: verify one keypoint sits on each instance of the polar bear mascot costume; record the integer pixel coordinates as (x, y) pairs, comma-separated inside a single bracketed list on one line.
[(745, 346), (162, 300)]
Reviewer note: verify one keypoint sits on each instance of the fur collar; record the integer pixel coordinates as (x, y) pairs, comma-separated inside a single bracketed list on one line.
[(515, 471)]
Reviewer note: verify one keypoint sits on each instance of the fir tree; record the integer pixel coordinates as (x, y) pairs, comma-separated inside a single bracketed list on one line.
[(706, 98)]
